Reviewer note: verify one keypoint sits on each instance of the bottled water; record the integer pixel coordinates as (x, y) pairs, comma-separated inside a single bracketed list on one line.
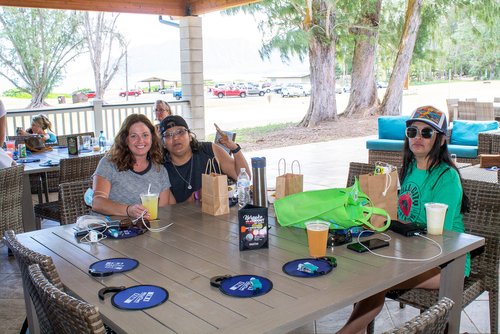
[(243, 185), (102, 140)]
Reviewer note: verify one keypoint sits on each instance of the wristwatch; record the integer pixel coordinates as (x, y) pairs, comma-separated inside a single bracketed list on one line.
[(236, 150)]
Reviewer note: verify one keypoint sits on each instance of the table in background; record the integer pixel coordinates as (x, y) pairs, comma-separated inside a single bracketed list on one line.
[(479, 174), (34, 168), (197, 246)]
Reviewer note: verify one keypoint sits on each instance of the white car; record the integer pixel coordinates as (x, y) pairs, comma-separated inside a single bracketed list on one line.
[(291, 91), (305, 89)]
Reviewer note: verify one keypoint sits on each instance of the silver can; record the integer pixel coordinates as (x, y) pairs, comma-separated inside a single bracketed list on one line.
[(21, 149)]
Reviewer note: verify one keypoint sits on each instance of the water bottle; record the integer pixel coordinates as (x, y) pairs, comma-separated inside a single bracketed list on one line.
[(243, 185), (102, 140), (259, 181)]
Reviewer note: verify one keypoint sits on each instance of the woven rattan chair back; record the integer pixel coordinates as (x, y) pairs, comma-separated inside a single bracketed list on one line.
[(63, 139), (66, 314), (433, 320), (78, 168), (466, 110), (72, 204), (452, 105), (24, 258), (485, 111), (471, 99), (11, 192), (356, 169)]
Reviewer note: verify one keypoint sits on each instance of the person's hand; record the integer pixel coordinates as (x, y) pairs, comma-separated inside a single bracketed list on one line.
[(135, 211), (225, 140)]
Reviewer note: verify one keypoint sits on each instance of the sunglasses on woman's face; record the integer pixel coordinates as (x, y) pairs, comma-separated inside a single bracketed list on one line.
[(412, 132)]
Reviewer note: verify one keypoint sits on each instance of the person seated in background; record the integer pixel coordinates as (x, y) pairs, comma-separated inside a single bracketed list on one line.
[(428, 175), (40, 125), (132, 164), (162, 110), (186, 158)]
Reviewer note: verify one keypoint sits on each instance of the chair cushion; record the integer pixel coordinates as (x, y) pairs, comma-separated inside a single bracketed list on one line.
[(466, 132), (392, 127), (384, 145), (463, 151)]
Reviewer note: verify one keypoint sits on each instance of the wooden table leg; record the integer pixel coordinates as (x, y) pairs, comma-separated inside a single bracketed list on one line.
[(452, 283)]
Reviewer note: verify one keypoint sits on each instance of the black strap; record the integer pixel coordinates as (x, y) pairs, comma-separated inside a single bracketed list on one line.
[(442, 173), (105, 290), (100, 273), (217, 280)]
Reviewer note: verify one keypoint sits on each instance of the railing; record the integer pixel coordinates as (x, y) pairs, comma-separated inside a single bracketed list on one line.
[(87, 118)]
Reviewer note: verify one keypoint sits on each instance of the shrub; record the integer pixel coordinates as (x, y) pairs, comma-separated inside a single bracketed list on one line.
[(17, 93)]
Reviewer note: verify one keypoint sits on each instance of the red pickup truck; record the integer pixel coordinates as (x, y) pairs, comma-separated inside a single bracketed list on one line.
[(229, 91)]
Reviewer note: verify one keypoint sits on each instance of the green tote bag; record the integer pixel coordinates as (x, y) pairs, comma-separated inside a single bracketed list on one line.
[(342, 207)]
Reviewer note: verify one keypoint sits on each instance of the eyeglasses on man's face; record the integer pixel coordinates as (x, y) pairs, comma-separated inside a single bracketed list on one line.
[(176, 133), (412, 132)]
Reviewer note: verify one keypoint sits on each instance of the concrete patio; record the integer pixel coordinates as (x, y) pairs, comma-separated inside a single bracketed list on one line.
[(324, 165)]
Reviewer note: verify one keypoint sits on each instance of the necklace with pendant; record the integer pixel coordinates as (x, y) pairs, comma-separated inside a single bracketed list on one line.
[(190, 174)]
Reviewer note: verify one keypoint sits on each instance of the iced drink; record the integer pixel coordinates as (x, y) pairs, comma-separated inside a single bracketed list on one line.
[(435, 213), (10, 145), (317, 235), (150, 202)]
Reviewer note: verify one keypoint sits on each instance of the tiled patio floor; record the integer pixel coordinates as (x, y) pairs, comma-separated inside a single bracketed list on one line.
[(324, 165)]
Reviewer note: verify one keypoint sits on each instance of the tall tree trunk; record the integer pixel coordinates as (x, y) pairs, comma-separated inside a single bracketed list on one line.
[(363, 99), (392, 99), (322, 104)]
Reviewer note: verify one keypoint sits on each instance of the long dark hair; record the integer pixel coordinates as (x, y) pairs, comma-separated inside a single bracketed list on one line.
[(120, 154), (439, 153)]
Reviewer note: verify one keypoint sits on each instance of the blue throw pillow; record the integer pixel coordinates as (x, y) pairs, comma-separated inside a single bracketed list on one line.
[(466, 132), (392, 127)]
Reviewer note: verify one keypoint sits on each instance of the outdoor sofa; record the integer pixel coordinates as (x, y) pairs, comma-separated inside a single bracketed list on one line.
[(466, 139)]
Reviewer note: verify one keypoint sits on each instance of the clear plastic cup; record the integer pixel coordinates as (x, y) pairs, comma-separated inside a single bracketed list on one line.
[(10, 145), (317, 236), (435, 213), (150, 202)]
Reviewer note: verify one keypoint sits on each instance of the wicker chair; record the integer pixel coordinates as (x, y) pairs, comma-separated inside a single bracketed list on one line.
[(482, 220), (11, 193), (485, 111), (26, 257), (356, 169), (433, 320), (452, 109), (466, 110), (66, 314), (471, 99), (71, 169), (63, 139), (72, 203)]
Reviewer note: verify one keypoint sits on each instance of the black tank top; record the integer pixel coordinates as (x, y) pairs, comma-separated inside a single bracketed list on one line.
[(181, 176)]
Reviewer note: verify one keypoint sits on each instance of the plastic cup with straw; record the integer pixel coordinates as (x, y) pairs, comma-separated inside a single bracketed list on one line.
[(150, 202)]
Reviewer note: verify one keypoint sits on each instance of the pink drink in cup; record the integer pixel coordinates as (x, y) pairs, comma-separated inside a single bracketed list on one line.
[(10, 145), (435, 213)]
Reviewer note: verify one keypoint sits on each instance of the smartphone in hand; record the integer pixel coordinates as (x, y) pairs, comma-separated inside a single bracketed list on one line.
[(371, 244)]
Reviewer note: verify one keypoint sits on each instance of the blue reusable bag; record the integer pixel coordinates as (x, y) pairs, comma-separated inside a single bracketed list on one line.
[(342, 207)]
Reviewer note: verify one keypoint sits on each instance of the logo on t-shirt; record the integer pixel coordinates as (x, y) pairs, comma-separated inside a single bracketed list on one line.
[(409, 202)]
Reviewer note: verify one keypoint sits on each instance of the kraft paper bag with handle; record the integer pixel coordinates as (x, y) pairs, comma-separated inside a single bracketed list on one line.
[(288, 183), (382, 189), (214, 193)]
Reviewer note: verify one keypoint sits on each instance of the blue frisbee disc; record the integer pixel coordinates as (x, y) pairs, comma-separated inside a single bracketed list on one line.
[(324, 267), (139, 297), (241, 286), (115, 265)]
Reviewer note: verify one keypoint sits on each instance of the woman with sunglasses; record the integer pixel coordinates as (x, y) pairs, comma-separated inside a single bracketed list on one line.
[(428, 175), (186, 158)]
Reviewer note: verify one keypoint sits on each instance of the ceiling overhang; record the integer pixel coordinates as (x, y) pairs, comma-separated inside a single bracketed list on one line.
[(159, 7)]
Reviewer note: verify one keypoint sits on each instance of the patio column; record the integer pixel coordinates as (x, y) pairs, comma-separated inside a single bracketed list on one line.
[(192, 73)]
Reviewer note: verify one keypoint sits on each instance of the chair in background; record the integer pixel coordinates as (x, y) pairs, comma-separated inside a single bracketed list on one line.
[(471, 99), (433, 320), (485, 111), (452, 109), (24, 258), (66, 314), (71, 169), (72, 204), (357, 169), (62, 140), (466, 110), (482, 220), (11, 193)]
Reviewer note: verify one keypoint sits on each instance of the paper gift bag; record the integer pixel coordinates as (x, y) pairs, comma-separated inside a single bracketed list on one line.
[(382, 190), (214, 194), (288, 183)]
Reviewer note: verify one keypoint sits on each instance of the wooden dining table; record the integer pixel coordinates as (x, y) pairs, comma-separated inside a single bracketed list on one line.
[(37, 167), (183, 258)]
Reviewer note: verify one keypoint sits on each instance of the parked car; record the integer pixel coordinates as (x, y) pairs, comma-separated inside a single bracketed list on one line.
[(177, 94), (290, 91), (132, 92), (304, 88), (166, 90), (90, 94), (255, 90), (381, 84), (276, 89), (338, 90), (229, 91)]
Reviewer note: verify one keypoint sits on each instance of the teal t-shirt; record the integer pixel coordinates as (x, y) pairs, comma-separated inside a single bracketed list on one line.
[(442, 184)]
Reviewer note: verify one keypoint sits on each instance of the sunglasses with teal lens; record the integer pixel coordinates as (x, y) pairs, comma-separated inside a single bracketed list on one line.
[(412, 132)]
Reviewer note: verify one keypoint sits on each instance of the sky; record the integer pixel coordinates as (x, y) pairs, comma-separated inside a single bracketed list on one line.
[(230, 43)]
